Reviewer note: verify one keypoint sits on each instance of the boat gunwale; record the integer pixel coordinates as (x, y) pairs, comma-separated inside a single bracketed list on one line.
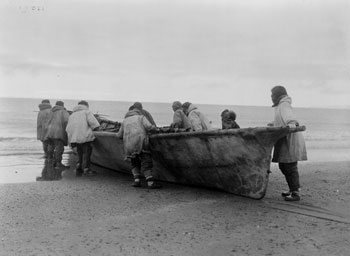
[(217, 132), (211, 133)]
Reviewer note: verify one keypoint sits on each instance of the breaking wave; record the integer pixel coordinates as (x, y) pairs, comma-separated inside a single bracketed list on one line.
[(17, 139)]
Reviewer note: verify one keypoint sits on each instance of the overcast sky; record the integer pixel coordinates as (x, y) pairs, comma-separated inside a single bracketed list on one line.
[(203, 51)]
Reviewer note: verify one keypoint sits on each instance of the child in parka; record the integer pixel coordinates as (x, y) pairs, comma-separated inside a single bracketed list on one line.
[(228, 120)]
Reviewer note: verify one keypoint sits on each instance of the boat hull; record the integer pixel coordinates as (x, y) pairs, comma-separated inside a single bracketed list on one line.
[(237, 161)]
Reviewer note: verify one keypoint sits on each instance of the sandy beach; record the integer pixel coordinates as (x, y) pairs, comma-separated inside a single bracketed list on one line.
[(104, 215)]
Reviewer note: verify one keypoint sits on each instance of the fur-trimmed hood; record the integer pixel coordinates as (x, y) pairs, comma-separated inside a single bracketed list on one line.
[(80, 108), (132, 112), (43, 106)]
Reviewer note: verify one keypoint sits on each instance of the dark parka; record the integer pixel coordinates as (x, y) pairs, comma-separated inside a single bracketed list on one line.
[(57, 124), (228, 120), (42, 121)]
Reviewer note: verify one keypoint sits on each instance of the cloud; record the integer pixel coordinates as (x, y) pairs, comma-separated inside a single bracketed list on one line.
[(14, 65)]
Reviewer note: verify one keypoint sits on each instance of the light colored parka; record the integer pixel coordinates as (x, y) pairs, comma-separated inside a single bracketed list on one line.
[(80, 125), (57, 124), (198, 121), (291, 148), (134, 131), (43, 120)]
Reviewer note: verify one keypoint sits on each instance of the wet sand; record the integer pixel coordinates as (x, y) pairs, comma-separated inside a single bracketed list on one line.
[(104, 215)]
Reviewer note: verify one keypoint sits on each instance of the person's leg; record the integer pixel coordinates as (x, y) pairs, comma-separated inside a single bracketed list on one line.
[(146, 168), (79, 168), (45, 148), (290, 171), (88, 152), (80, 155), (50, 151), (294, 176), (283, 168), (87, 156), (59, 149), (136, 171)]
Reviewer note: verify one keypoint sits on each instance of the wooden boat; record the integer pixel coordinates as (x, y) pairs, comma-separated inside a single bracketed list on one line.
[(236, 160)]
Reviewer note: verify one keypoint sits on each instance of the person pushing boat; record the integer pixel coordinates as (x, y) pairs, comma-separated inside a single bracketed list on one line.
[(198, 121), (134, 132), (291, 148)]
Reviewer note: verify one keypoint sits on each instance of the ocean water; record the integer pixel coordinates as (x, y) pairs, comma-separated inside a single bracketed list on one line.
[(327, 132)]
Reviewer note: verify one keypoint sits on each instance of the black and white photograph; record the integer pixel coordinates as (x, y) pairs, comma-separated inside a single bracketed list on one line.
[(175, 128)]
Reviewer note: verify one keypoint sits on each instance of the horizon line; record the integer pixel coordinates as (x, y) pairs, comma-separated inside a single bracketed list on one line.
[(340, 107)]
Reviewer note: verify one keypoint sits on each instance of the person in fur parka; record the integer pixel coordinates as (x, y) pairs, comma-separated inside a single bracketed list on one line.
[(198, 121), (134, 132), (228, 120), (56, 133), (180, 119), (42, 123), (79, 129), (291, 148)]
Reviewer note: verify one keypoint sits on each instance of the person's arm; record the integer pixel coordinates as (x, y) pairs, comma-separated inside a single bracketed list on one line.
[(121, 132), (148, 116), (148, 126), (92, 121)]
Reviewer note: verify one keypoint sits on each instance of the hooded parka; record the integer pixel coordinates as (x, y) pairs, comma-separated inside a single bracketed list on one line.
[(291, 148), (134, 131), (57, 124), (43, 120), (81, 124), (180, 120), (198, 121)]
